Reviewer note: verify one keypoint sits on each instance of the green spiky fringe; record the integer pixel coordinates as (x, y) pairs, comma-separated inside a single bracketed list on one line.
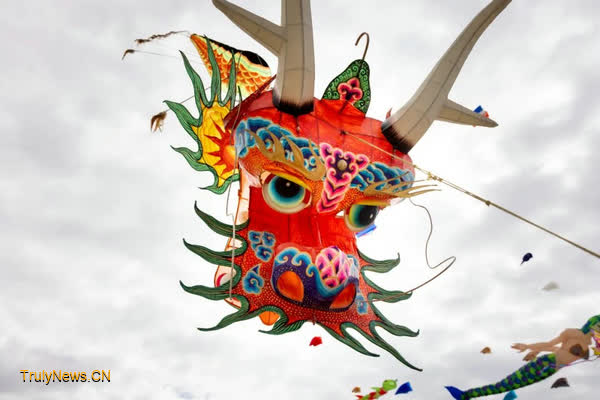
[(380, 294), (202, 101), (281, 326), (217, 257)]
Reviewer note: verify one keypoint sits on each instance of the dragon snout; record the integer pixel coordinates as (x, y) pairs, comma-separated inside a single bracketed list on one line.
[(324, 280)]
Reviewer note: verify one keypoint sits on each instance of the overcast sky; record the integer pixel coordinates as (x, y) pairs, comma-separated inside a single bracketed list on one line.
[(93, 206)]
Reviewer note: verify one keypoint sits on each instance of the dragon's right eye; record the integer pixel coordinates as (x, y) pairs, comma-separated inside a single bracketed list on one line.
[(284, 195)]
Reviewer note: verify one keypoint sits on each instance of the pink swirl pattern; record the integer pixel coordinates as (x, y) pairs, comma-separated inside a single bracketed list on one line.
[(334, 266)]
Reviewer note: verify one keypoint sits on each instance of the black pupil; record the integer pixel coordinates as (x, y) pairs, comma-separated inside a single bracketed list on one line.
[(286, 188), (367, 215)]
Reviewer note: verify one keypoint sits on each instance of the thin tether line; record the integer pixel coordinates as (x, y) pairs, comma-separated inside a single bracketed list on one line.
[(434, 177)]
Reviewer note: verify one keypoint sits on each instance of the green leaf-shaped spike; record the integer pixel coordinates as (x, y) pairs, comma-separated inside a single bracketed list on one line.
[(186, 119), (393, 296), (218, 226), (397, 330), (378, 340), (206, 292), (380, 267), (382, 317), (192, 158), (281, 326), (389, 296), (213, 257), (239, 315), (348, 340), (221, 189), (231, 92), (199, 91)]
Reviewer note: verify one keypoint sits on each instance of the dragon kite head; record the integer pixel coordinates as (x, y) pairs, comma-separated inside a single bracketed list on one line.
[(313, 173)]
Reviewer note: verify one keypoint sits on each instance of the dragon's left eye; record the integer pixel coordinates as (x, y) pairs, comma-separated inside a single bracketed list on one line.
[(284, 195), (359, 216)]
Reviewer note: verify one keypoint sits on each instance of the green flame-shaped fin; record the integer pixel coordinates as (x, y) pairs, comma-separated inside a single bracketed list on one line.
[(357, 69)]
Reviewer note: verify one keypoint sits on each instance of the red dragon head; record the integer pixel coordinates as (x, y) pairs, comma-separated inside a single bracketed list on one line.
[(313, 173)]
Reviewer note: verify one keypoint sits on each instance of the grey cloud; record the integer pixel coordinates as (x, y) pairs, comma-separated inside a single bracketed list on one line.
[(93, 207)]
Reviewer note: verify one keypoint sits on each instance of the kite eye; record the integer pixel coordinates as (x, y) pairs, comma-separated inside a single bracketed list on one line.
[(359, 216), (285, 195)]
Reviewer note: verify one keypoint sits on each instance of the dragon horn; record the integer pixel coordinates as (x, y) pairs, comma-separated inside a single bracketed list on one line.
[(408, 125), (292, 43)]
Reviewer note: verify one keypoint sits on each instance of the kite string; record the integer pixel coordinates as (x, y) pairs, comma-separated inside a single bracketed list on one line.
[(236, 167), (452, 260), (434, 177), (234, 217)]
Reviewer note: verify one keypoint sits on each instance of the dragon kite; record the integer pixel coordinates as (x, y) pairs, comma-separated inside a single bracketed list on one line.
[(312, 174)]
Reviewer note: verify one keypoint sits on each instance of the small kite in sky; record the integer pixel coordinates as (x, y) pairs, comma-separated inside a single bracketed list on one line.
[(157, 121), (550, 286), (316, 341), (527, 257), (479, 110), (404, 388), (127, 51), (486, 350), (560, 382), (356, 389), (157, 36)]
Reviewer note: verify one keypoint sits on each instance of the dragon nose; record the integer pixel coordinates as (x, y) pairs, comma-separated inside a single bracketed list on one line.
[(325, 281)]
